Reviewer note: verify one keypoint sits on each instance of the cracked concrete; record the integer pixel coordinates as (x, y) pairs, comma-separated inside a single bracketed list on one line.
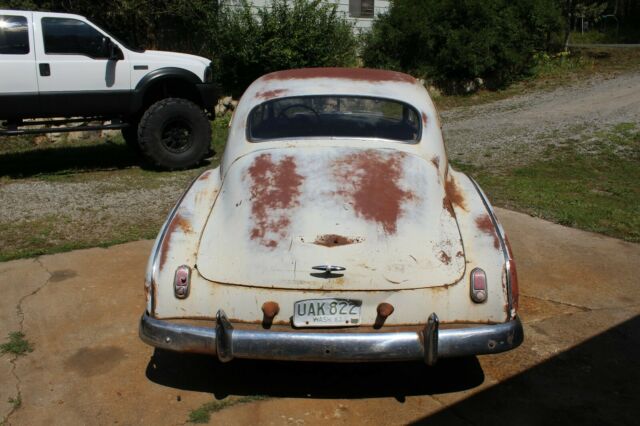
[(80, 310)]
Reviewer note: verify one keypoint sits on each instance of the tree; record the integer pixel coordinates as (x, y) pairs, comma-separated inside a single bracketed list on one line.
[(453, 42)]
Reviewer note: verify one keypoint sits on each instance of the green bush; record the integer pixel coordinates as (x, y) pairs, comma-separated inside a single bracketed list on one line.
[(294, 34), (453, 42)]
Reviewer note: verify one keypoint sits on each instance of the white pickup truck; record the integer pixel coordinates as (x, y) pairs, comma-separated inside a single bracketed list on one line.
[(62, 66)]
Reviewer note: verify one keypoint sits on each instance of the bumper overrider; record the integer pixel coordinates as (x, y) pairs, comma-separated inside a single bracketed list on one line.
[(428, 344)]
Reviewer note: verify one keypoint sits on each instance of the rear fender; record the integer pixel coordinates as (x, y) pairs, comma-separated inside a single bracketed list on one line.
[(484, 241), (178, 239)]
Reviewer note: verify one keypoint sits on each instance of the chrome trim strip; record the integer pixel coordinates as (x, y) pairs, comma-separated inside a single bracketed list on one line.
[(503, 245), (333, 347)]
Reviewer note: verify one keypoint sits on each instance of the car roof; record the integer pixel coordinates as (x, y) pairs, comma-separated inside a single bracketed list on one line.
[(340, 82)]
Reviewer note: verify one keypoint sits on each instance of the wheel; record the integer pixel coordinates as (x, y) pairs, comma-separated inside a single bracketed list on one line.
[(130, 136), (174, 134)]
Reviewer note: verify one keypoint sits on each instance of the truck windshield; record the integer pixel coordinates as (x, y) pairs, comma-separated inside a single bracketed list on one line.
[(334, 116)]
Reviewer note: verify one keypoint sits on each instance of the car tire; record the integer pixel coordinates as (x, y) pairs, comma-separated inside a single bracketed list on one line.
[(130, 136), (174, 134)]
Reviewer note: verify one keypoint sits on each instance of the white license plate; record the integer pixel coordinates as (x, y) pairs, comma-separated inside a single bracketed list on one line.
[(326, 313)]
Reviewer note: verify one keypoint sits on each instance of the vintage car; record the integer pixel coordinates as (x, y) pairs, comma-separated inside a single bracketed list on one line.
[(334, 229)]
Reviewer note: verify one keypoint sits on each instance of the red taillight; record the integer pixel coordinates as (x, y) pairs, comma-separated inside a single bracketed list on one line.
[(182, 281), (478, 286)]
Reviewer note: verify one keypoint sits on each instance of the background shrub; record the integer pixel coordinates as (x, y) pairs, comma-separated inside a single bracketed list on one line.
[(294, 34), (453, 42)]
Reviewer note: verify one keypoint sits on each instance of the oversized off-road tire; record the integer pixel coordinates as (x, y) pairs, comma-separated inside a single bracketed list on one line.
[(174, 134), (130, 136)]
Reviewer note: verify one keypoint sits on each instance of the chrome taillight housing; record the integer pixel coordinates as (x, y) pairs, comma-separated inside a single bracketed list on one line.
[(182, 282), (478, 286)]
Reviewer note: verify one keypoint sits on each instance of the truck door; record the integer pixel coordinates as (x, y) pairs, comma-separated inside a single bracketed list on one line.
[(75, 74), (18, 80)]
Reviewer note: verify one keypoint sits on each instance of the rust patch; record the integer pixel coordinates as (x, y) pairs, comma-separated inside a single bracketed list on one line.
[(178, 222), (385, 309), (205, 175), (370, 181), (275, 190), (446, 204), (332, 240), (444, 257), (270, 309), (508, 244), (424, 118), (270, 94), (485, 224), (436, 161), (356, 74), (453, 193)]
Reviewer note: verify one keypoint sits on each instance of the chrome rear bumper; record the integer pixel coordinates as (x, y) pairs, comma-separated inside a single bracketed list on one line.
[(429, 344)]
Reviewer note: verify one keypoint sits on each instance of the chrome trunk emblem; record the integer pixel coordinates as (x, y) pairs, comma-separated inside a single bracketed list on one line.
[(327, 269)]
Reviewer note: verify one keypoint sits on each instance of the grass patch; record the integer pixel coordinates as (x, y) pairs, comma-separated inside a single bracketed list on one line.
[(203, 413), (589, 183), (17, 344)]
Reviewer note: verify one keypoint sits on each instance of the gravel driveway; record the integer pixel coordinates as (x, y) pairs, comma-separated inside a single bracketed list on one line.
[(518, 128)]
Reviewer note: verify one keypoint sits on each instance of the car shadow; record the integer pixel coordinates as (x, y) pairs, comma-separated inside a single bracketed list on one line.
[(315, 380), (593, 383)]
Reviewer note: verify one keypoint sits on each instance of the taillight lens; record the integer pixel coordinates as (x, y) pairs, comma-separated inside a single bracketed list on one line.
[(182, 282), (478, 285)]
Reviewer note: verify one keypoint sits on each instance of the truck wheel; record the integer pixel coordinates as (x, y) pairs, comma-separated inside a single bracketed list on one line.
[(130, 136), (174, 134)]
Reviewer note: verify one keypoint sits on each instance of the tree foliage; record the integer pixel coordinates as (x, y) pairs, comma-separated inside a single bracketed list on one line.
[(452, 42), (285, 34)]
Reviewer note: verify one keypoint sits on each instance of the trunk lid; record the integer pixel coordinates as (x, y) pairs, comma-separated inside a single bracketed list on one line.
[(379, 213)]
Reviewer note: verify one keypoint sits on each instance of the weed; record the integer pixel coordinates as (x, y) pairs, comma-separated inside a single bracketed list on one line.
[(15, 402), (203, 413), (17, 344)]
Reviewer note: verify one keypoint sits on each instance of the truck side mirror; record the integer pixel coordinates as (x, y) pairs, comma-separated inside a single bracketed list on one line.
[(111, 49), (115, 53)]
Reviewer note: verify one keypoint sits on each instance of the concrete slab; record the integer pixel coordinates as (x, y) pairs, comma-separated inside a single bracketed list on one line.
[(580, 304)]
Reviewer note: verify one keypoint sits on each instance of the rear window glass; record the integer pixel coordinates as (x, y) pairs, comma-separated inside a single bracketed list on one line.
[(334, 116), (14, 35)]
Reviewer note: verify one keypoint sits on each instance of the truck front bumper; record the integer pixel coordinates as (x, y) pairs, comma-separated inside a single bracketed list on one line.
[(429, 344)]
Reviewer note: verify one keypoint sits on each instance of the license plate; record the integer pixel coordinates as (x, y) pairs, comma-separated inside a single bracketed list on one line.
[(326, 313)]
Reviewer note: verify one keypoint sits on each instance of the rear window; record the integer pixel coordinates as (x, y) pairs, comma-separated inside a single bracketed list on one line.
[(14, 35), (334, 116)]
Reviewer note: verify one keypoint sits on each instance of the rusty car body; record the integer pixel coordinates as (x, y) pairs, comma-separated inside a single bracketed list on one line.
[(334, 195)]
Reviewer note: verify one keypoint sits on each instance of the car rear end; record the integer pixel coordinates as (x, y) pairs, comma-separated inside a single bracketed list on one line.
[(333, 247)]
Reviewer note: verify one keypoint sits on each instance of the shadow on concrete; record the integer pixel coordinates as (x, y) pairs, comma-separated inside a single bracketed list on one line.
[(315, 380), (594, 383)]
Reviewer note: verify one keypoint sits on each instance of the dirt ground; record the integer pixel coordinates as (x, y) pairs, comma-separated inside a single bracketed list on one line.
[(579, 364)]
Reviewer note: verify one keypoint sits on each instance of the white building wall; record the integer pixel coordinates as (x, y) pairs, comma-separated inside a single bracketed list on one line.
[(360, 24)]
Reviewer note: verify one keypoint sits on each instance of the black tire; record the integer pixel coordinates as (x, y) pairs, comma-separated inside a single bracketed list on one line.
[(174, 134), (130, 136)]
